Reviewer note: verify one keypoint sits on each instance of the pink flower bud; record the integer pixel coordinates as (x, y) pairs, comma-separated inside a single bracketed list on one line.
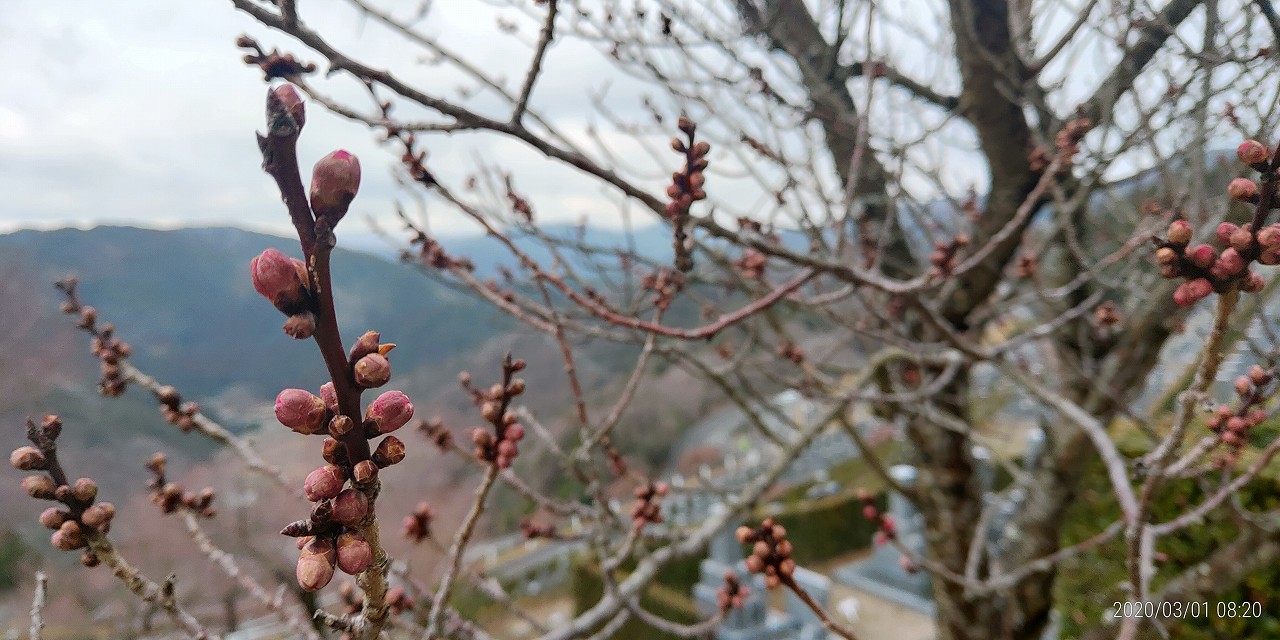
[(85, 490), (335, 179), (330, 396), (364, 472), (315, 565), (1225, 230), (300, 326), (1202, 255), (390, 411), (1253, 283), (366, 344), (1252, 152), (41, 487), (1242, 189), (354, 553), (301, 411), (514, 433), (286, 95), (1180, 232), (1228, 264), (323, 483), (27, 458), (1191, 292), (350, 506), (280, 279), (52, 518), (508, 448), (1241, 240), (1269, 236), (373, 370)]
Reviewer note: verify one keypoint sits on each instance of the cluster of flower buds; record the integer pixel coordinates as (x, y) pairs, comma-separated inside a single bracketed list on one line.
[(1206, 269), (1067, 142), (945, 252), (330, 538), (433, 254), (530, 529), (732, 594), (770, 551), (646, 508), (665, 284), (501, 446), (519, 204), (886, 529), (435, 431), (686, 188), (108, 349), (81, 516), (1233, 424), (170, 497), (417, 525), (751, 264)]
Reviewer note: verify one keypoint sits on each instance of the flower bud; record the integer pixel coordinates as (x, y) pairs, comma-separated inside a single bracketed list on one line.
[(340, 426), (335, 179), (286, 96), (1242, 189), (514, 432), (1228, 264), (373, 370), (1253, 283), (85, 490), (1241, 240), (41, 487), (390, 451), (315, 565), (1269, 236), (1258, 375), (99, 515), (1252, 152), (1225, 230), (1180, 232), (366, 344), (365, 472), (330, 396), (1202, 255), (27, 458), (350, 506), (280, 279), (333, 452), (323, 483), (1192, 291), (300, 326), (1165, 255), (53, 517), (1243, 386), (390, 411), (301, 411), (354, 553)]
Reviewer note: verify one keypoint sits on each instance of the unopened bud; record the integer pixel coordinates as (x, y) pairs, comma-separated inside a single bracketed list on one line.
[(514, 432), (300, 326), (85, 490), (1188, 293), (289, 100), (354, 553), (52, 518), (390, 411), (1258, 375), (1180, 232), (333, 452), (315, 565), (340, 426), (373, 370), (366, 344), (491, 411), (323, 483), (1166, 256), (99, 515), (390, 451), (350, 507), (1225, 230), (27, 458), (1269, 236), (1252, 152), (335, 179), (1228, 264), (41, 487), (1241, 240), (1242, 189), (1253, 283), (364, 472), (1202, 255), (301, 411), (280, 279), (1243, 385)]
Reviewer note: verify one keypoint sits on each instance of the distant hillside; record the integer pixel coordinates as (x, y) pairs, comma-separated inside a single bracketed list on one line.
[(183, 298)]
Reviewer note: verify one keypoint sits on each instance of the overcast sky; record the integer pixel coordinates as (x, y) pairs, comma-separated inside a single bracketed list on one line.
[(141, 111)]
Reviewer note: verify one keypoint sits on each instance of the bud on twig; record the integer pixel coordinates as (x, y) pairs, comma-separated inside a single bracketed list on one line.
[(27, 458), (301, 411), (280, 279), (390, 451), (335, 179), (354, 553), (390, 411), (315, 565), (350, 506), (373, 370), (323, 483)]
